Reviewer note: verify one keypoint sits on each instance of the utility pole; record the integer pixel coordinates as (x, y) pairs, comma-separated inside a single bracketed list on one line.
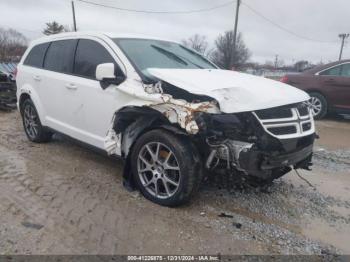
[(74, 21), (343, 37), (276, 61), (235, 28), (236, 24)]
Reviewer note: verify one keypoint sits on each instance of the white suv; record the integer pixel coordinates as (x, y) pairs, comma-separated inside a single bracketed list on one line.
[(165, 109)]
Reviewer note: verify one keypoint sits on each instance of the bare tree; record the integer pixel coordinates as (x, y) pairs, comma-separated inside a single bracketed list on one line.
[(12, 45), (226, 56), (197, 42), (55, 28), (279, 63)]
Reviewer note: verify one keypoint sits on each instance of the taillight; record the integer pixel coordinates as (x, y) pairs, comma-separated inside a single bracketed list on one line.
[(284, 79)]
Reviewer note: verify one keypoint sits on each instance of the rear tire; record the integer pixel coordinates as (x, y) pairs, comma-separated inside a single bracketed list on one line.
[(166, 168), (32, 124), (319, 105)]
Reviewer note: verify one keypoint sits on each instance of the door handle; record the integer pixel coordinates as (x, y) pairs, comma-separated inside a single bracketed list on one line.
[(37, 78), (71, 86)]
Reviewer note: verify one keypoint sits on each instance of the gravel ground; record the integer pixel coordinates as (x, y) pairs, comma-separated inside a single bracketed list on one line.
[(334, 160), (61, 198)]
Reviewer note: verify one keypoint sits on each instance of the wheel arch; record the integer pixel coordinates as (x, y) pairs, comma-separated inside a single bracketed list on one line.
[(22, 98), (315, 90), (326, 106), (28, 92), (133, 121)]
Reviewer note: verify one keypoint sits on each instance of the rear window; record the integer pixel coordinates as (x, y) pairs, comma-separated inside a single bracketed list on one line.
[(334, 71), (60, 56), (345, 70), (36, 55)]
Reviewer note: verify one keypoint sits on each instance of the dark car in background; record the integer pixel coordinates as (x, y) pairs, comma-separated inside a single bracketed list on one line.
[(7, 90), (3, 77), (328, 86)]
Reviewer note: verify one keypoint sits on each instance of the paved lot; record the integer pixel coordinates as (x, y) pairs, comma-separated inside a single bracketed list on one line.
[(61, 198)]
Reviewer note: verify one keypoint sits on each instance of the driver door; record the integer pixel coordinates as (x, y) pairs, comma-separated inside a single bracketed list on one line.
[(99, 105)]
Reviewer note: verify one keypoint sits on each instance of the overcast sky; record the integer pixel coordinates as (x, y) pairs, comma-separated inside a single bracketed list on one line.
[(321, 20)]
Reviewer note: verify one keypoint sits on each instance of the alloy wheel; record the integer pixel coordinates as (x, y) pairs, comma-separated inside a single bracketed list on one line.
[(315, 105), (158, 170), (30, 121)]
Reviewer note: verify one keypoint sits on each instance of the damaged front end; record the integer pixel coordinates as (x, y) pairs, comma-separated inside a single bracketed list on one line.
[(264, 144)]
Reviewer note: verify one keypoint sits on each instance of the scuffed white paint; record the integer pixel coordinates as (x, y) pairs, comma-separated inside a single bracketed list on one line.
[(175, 110), (113, 143), (181, 112)]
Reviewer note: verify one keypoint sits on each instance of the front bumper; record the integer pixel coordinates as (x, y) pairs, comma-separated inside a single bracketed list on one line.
[(255, 160), (291, 159), (247, 158)]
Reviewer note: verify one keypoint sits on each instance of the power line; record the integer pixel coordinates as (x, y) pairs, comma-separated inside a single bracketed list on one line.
[(284, 28), (159, 12), (206, 10)]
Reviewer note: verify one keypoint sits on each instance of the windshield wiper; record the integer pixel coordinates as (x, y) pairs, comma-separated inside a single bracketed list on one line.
[(178, 57), (170, 54), (198, 55)]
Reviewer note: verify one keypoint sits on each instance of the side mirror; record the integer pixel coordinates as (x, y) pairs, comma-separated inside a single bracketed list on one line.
[(105, 73)]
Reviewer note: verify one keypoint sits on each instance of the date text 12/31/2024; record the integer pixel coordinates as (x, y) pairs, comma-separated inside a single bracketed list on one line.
[(174, 258)]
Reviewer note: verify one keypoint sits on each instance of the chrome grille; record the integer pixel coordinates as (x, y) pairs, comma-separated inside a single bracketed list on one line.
[(287, 121)]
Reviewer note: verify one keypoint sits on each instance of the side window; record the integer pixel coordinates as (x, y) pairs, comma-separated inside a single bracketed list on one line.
[(88, 56), (60, 55), (345, 71), (334, 71), (36, 55)]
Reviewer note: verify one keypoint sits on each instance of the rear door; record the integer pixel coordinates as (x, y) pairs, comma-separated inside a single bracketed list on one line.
[(60, 97)]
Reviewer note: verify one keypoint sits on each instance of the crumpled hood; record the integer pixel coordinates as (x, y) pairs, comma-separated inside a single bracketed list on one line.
[(235, 92)]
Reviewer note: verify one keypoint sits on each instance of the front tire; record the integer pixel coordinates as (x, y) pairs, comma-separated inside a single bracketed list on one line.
[(32, 124), (166, 168), (318, 104)]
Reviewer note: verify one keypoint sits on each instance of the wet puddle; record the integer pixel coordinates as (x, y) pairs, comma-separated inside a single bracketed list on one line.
[(336, 185), (11, 163), (333, 134), (343, 211), (338, 236)]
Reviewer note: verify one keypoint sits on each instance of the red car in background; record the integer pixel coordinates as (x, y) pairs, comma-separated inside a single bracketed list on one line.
[(328, 86)]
